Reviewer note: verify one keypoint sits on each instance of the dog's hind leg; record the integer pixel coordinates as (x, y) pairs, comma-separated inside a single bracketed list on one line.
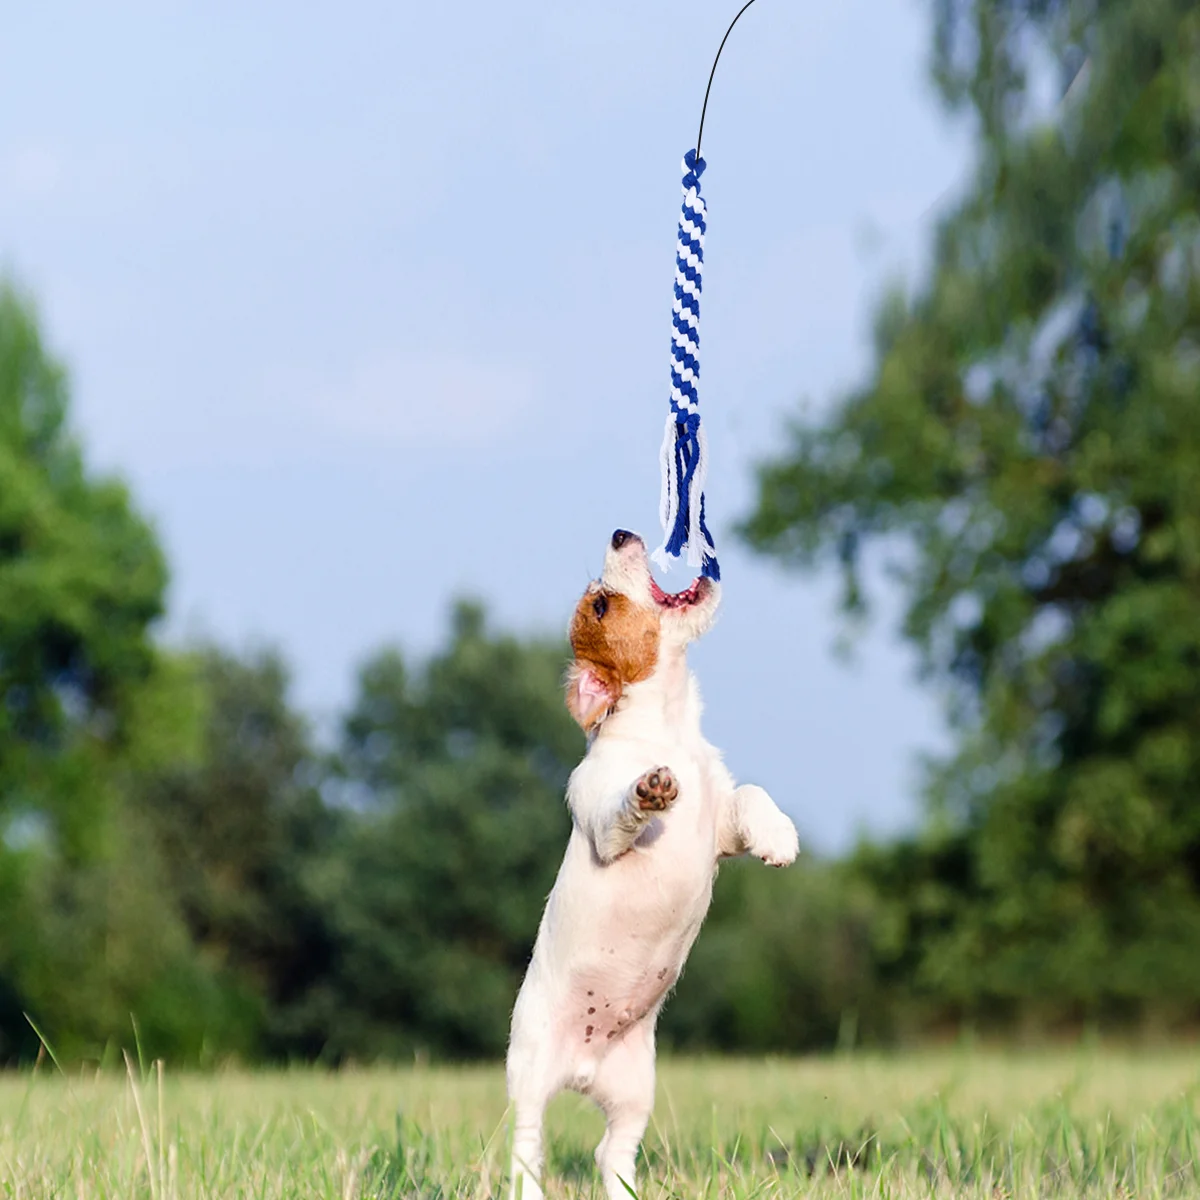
[(529, 1106), (624, 1089), (533, 1078)]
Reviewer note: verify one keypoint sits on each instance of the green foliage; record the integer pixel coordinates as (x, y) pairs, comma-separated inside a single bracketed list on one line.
[(456, 772), (81, 579), (238, 829), (1030, 441), (88, 930), (784, 961)]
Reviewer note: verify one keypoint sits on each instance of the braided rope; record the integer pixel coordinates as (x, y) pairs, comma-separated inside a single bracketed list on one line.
[(684, 448)]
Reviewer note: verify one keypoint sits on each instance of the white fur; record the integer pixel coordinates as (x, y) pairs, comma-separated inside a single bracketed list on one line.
[(631, 894)]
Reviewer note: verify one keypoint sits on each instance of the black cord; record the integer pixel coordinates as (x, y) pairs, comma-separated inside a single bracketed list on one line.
[(714, 71)]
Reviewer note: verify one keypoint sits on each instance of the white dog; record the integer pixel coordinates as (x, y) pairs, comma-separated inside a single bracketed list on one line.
[(653, 811)]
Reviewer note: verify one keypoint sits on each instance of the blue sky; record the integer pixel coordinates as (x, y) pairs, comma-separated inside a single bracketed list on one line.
[(370, 304)]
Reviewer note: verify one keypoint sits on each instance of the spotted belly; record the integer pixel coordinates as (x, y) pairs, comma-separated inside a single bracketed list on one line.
[(601, 1008)]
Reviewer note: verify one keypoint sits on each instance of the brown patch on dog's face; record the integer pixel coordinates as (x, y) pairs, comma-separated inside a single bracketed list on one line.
[(616, 643), (611, 631)]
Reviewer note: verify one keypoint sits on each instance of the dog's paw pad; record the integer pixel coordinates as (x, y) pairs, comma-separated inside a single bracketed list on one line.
[(656, 790)]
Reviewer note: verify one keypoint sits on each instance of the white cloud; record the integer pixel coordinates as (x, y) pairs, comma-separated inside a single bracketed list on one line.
[(140, 413), (407, 399)]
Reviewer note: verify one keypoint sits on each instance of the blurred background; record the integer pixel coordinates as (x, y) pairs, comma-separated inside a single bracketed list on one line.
[(333, 345)]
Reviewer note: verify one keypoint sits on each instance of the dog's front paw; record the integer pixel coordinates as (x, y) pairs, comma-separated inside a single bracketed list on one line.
[(656, 790), (778, 845)]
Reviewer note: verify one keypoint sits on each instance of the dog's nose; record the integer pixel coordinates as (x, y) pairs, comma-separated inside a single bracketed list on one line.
[(621, 536)]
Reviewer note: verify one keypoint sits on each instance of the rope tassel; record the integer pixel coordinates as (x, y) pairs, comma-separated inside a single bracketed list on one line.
[(684, 448)]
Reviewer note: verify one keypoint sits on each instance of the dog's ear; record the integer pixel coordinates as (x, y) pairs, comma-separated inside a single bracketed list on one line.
[(591, 692)]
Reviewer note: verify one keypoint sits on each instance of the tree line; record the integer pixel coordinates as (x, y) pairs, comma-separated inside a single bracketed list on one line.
[(184, 869), (181, 863)]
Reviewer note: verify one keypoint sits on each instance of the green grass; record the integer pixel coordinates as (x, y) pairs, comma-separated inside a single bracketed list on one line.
[(950, 1124)]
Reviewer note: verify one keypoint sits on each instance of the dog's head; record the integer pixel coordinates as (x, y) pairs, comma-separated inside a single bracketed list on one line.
[(623, 624)]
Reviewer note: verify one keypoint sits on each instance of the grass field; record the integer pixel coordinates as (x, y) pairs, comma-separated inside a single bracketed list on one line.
[(962, 1124)]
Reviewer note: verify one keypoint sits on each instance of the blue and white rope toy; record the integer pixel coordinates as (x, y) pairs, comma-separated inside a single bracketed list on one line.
[(684, 448)]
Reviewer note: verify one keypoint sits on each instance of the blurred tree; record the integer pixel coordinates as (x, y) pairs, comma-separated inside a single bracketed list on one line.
[(783, 963), (81, 579), (239, 829), (456, 773), (87, 932), (1030, 438)]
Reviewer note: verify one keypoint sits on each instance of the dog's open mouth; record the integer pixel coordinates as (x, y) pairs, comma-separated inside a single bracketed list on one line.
[(690, 595)]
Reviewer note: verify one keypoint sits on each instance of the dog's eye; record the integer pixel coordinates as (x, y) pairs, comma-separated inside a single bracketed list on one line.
[(600, 606)]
